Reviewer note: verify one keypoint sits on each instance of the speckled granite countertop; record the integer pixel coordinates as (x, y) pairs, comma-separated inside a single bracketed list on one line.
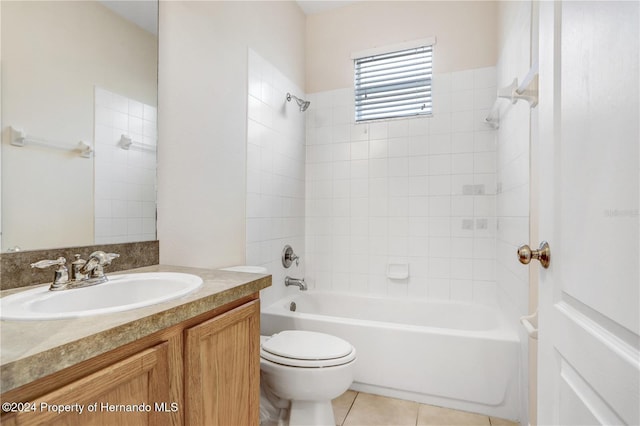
[(30, 350)]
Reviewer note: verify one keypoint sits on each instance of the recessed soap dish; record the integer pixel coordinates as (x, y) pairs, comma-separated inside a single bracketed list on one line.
[(398, 271)]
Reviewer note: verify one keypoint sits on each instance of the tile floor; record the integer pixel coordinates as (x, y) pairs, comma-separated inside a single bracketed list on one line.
[(363, 409)]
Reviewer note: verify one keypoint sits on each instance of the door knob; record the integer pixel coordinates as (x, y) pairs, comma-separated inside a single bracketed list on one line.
[(543, 254)]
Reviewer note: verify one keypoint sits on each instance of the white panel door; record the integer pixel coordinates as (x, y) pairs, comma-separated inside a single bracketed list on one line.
[(589, 364)]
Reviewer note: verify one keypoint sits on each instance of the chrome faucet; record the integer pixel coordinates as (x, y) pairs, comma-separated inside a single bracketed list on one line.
[(295, 281), (84, 273)]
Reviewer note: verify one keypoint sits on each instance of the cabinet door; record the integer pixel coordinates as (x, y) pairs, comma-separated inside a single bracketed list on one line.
[(129, 392), (222, 369)]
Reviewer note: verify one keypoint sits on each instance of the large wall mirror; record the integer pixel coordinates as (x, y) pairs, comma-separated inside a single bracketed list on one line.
[(79, 126)]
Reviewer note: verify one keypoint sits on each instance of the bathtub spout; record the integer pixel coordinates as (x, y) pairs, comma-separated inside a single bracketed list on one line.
[(295, 281)]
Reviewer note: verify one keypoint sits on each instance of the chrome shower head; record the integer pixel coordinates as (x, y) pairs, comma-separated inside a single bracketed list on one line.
[(304, 106), (301, 102)]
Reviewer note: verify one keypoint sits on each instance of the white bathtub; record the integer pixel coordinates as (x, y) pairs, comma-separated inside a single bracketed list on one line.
[(452, 354)]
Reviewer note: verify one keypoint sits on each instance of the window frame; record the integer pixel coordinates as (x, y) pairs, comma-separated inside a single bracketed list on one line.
[(421, 91)]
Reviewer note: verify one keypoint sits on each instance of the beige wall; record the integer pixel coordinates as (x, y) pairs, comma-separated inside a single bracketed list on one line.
[(203, 119), (53, 53), (466, 35)]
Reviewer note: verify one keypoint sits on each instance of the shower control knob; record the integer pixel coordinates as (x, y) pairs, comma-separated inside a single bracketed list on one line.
[(288, 256), (543, 254)]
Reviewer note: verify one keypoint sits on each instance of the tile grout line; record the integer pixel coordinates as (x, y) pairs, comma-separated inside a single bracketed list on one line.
[(349, 410), (419, 405)]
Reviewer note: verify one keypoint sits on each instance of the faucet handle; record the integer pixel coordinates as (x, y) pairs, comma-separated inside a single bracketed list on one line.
[(46, 263), (95, 263), (288, 256), (61, 276), (101, 258)]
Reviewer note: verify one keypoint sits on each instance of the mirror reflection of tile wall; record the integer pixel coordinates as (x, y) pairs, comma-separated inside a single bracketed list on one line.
[(125, 179)]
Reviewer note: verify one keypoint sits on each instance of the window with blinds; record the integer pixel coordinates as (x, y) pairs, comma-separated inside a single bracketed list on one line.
[(396, 84)]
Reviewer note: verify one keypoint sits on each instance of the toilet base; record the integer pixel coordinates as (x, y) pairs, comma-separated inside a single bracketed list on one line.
[(311, 413)]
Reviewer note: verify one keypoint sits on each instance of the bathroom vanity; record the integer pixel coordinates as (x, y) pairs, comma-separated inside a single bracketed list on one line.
[(189, 361)]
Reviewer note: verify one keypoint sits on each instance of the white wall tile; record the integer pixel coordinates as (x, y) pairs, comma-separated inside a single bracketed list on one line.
[(484, 78), (379, 130), (418, 126), (439, 288), (462, 80), (340, 152), (440, 185), (398, 166), (439, 143), (419, 145), (441, 84), (440, 123), (462, 121), (462, 290), (462, 100), (276, 173), (484, 162), (484, 98), (378, 168), (439, 164), (463, 269), (398, 207), (360, 150), (440, 247), (378, 148), (120, 197), (398, 186), (485, 292), (418, 165), (462, 142), (397, 191), (359, 169), (462, 163), (419, 225), (418, 207), (440, 206), (418, 186), (398, 147)]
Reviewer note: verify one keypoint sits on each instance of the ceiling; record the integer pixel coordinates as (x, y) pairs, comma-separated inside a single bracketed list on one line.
[(143, 13), (310, 7)]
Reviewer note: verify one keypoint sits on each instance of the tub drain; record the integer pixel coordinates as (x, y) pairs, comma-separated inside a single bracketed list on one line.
[(292, 306)]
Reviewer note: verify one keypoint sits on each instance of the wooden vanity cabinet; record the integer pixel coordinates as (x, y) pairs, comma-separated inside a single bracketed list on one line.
[(222, 369), (204, 371), (139, 379)]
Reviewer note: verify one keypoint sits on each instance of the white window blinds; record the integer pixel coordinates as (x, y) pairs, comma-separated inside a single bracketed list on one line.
[(396, 84)]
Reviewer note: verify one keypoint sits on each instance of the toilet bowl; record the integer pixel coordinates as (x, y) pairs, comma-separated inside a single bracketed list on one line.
[(305, 370)]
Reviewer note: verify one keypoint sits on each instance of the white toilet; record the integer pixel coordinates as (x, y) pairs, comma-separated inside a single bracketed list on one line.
[(305, 370)]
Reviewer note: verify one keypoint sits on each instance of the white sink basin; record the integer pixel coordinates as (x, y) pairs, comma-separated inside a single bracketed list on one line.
[(120, 293)]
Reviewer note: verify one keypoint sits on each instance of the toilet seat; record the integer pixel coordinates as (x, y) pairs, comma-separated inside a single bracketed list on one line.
[(297, 348)]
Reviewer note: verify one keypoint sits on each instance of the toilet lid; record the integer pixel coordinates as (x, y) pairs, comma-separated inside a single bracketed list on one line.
[(307, 348)]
